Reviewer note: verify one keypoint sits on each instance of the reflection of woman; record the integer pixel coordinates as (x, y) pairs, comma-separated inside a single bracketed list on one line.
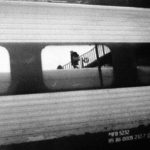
[(74, 59)]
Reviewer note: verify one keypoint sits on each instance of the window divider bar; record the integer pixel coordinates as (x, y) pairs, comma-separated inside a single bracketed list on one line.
[(99, 66)]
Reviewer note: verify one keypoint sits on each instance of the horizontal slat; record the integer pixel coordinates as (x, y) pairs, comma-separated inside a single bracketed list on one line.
[(77, 117), (83, 124), (46, 116), (57, 113), (71, 96), (80, 130), (6, 24), (54, 97), (32, 22), (53, 106)]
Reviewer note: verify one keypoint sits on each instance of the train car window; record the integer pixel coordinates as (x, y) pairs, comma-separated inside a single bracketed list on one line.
[(131, 63), (76, 67), (5, 76), (57, 57), (143, 64)]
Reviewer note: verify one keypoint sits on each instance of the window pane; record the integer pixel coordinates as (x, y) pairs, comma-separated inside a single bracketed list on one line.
[(76, 67), (5, 77), (55, 56), (143, 64)]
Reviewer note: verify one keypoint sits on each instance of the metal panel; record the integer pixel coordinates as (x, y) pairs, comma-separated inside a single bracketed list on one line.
[(72, 23), (36, 117)]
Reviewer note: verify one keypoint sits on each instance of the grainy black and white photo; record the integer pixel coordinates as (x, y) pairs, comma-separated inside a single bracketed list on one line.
[(74, 74)]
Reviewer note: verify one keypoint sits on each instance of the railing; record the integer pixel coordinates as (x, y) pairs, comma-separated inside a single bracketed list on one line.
[(89, 57)]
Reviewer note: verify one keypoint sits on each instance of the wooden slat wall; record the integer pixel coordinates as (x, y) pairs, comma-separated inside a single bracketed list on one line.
[(59, 23), (25, 118)]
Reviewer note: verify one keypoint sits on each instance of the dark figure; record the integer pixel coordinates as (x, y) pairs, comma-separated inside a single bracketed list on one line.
[(60, 67), (74, 59)]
